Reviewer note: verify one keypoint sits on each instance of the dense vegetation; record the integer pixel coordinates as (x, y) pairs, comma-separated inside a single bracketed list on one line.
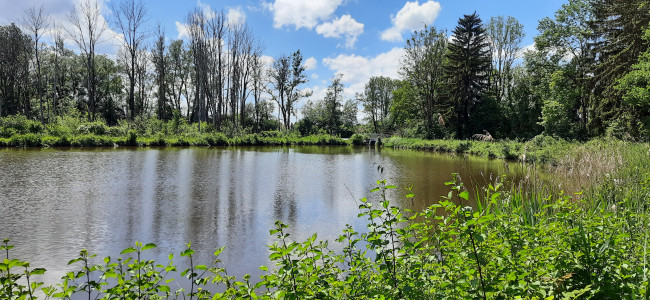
[(502, 242), (586, 77)]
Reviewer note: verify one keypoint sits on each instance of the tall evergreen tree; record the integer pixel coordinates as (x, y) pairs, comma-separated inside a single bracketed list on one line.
[(467, 69), (617, 41)]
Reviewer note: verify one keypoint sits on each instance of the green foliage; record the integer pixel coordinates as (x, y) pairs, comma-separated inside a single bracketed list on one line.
[(359, 139)]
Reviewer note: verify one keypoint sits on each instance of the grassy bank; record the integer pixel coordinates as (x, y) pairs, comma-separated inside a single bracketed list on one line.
[(132, 139), (71, 132)]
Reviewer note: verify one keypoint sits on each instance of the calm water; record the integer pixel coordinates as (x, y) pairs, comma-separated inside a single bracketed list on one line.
[(54, 203)]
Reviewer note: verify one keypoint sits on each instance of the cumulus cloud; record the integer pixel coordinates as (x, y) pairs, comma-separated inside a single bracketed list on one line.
[(301, 13), (310, 63), (236, 16), (345, 26), (357, 69), (412, 16), (182, 29), (207, 10)]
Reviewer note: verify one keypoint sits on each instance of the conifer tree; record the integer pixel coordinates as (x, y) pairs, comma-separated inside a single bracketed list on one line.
[(467, 69)]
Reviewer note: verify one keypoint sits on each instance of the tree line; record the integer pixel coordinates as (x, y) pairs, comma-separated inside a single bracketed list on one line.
[(587, 76), (216, 76)]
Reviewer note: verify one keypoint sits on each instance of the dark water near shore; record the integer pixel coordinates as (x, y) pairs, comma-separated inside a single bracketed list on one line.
[(54, 203)]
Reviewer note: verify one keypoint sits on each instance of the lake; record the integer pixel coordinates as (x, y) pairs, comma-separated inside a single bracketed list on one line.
[(54, 202)]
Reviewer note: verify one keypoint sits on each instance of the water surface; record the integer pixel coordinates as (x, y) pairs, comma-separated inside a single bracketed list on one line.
[(54, 203)]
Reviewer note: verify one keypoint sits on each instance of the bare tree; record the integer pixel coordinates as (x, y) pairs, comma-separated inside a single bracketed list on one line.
[(506, 35), (36, 22), (86, 29), (57, 37), (179, 60), (259, 85), (198, 44), (130, 17), (217, 31)]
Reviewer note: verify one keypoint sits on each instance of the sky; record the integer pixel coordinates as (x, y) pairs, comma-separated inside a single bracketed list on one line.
[(355, 38)]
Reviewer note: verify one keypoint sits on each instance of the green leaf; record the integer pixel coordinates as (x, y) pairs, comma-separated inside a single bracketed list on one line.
[(38, 271), (464, 195), (128, 250), (148, 246)]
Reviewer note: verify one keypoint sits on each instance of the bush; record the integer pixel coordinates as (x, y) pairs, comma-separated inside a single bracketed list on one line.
[(20, 125), (358, 139), (132, 138), (25, 140), (96, 128)]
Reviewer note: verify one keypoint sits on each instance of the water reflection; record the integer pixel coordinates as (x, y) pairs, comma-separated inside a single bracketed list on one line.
[(55, 202)]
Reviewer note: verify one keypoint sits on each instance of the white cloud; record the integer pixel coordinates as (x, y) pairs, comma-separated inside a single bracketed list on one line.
[(345, 26), (182, 29), (412, 16), (314, 76), (207, 10), (310, 63), (236, 16), (357, 70), (301, 13)]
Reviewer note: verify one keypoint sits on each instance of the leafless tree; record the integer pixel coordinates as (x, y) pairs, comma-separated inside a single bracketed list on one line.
[(130, 18), (57, 37), (217, 31), (86, 29), (36, 22), (506, 34)]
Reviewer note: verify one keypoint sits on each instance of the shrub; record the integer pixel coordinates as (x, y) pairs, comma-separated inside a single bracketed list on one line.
[(358, 139)]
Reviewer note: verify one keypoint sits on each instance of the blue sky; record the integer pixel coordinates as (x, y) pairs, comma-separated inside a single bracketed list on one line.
[(357, 38)]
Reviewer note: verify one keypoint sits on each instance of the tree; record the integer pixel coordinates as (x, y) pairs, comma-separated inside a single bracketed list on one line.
[(87, 27), (563, 43), (423, 68), (467, 69), (635, 88), (333, 101), (615, 46), (163, 109), (377, 99), (129, 19), (36, 22), (179, 72), (15, 53), (286, 75), (505, 35)]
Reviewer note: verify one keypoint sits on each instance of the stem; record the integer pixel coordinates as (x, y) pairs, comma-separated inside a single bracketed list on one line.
[(29, 287), (288, 258), (139, 278), (192, 277), (478, 263), (87, 275)]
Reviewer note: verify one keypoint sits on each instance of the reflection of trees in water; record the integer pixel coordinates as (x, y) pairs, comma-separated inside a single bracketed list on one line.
[(284, 197)]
